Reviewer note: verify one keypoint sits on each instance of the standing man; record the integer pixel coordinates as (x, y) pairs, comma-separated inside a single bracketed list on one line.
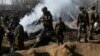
[(82, 23), (6, 20), (11, 38), (46, 19), (19, 33), (92, 18), (60, 28), (2, 32)]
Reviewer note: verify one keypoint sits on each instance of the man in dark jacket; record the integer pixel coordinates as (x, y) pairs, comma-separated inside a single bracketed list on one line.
[(46, 19), (60, 28), (92, 19), (2, 32), (11, 38), (82, 23), (19, 34)]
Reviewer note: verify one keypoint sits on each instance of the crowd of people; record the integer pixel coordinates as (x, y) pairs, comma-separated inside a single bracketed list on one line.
[(15, 31), (86, 21), (10, 28)]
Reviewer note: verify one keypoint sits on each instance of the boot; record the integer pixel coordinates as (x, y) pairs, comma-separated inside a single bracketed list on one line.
[(78, 40), (86, 40), (91, 38)]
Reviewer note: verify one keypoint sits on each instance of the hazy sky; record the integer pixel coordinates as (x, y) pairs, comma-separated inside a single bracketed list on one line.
[(6, 2)]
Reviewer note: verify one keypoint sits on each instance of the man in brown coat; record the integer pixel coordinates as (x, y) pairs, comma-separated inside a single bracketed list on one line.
[(92, 18)]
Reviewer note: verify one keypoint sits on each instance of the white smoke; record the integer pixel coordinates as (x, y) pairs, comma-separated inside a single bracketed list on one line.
[(58, 8)]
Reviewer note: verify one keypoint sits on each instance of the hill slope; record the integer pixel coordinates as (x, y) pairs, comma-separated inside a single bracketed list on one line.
[(68, 49)]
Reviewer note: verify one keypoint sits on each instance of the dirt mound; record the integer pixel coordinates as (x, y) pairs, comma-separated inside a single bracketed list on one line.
[(68, 49)]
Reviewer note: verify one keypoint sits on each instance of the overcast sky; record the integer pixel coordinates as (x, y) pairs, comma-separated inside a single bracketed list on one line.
[(6, 2)]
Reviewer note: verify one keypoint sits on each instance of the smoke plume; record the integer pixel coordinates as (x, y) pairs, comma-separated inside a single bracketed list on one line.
[(67, 9)]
